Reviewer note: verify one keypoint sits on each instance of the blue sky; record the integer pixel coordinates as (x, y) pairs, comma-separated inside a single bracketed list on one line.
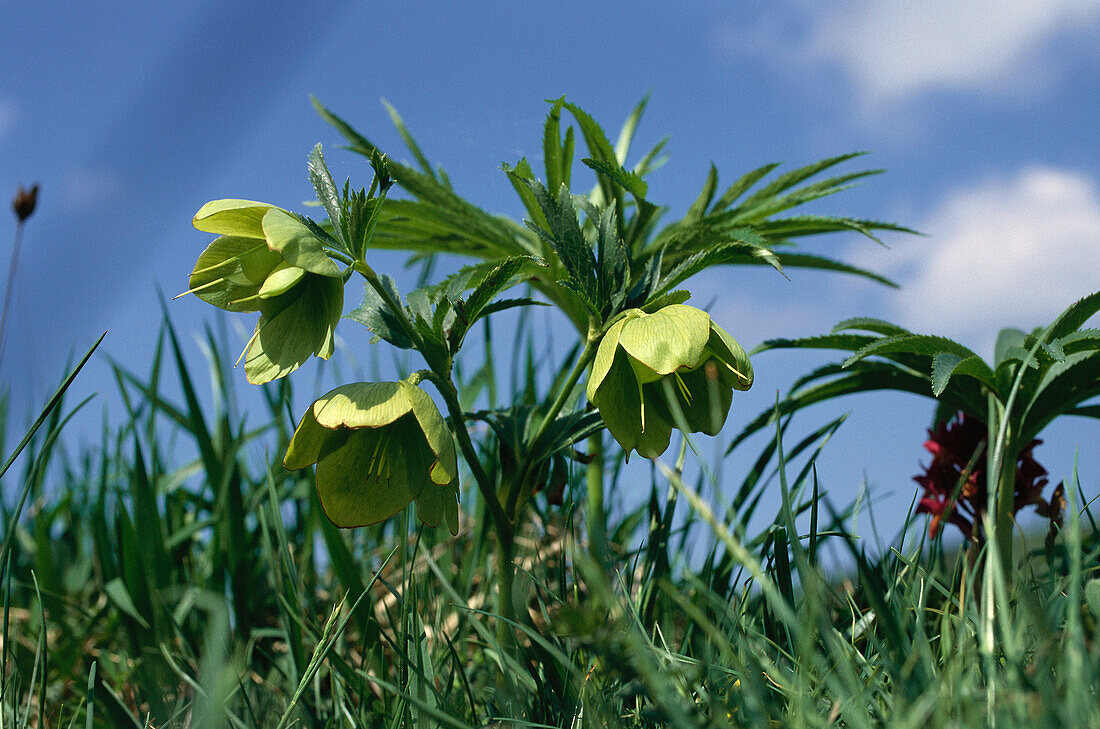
[(132, 115)]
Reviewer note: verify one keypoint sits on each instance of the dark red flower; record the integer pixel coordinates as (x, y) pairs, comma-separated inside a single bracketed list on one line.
[(954, 483)]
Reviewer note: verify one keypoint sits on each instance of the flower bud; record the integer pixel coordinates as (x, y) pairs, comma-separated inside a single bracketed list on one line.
[(24, 202)]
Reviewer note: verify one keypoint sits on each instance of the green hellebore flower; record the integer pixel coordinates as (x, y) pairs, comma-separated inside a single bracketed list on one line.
[(652, 368), (377, 447), (267, 260)]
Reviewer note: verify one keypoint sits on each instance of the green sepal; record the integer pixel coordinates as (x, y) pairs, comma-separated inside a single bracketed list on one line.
[(293, 326)]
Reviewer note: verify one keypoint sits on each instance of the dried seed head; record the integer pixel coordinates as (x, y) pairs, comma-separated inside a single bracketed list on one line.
[(24, 202)]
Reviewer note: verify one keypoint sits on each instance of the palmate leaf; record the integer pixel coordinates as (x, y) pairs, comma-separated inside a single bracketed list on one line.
[(741, 186), (789, 179), (802, 226), (848, 342)]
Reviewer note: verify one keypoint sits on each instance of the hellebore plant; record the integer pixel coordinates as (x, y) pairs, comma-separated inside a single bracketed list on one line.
[(653, 364), (1033, 379)]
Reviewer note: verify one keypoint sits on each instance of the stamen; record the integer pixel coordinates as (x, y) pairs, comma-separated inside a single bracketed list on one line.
[(683, 387)]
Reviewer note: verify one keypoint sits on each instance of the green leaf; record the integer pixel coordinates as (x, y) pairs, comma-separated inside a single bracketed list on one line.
[(626, 134), (868, 324), (376, 316), (699, 208), (565, 237), (628, 181), (552, 151), (421, 160), (741, 186), (946, 364), (719, 254), (324, 187), (1075, 316), (922, 344)]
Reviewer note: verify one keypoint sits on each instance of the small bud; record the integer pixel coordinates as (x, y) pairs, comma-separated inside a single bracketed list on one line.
[(24, 202)]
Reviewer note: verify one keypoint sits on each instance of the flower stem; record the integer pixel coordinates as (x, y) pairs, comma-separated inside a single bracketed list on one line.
[(566, 390), (11, 283)]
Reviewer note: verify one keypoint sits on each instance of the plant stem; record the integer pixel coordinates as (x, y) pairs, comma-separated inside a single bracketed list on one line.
[(11, 283), (566, 390), (595, 515), (485, 486)]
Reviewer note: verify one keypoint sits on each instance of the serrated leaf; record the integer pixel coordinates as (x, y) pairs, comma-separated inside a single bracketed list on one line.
[(628, 181), (946, 364), (699, 208), (659, 302), (552, 151), (407, 137), (717, 255), (741, 186), (626, 134), (376, 316), (323, 186), (565, 237), (868, 324), (1075, 316), (922, 344)]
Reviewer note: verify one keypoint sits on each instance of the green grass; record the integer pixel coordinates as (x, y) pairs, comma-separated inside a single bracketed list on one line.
[(142, 587)]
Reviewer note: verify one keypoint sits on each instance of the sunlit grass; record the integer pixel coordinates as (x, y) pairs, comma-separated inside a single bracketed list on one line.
[(144, 591)]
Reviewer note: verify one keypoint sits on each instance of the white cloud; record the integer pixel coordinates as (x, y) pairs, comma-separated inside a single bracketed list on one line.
[(1005, 252), (893, 49)]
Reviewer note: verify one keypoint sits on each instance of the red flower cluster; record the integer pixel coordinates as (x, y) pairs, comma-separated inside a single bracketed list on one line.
[(947, 496)]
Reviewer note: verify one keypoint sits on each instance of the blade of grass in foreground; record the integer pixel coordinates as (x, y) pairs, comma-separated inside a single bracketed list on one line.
[(54, 401)]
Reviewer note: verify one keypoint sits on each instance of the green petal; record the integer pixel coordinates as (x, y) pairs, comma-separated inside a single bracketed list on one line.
[(305, 446), (605, 355), (666, 340), (362, 405), (709, 402), (445, 470), (231, 269), (292, 327), (282, 279), (369, 474), (737, 370), (620, 405), (433, 505), (232, 217), (297, 243)]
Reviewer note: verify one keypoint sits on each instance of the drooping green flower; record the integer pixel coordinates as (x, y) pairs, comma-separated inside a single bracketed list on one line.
[(651, 369), (267, 260), (378, 446)]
